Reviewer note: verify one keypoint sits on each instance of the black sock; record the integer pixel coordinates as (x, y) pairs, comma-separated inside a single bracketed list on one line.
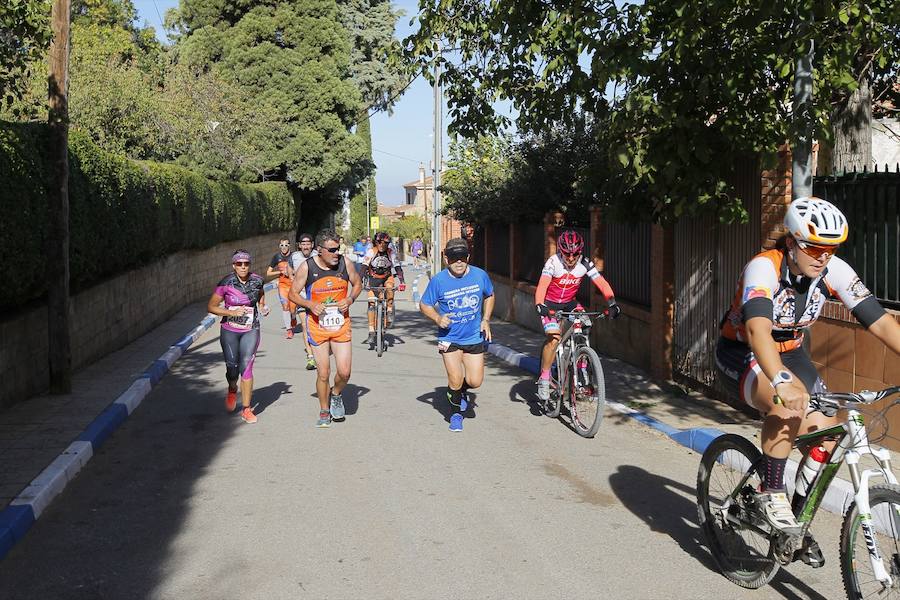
[(773, 473), (453, 397)]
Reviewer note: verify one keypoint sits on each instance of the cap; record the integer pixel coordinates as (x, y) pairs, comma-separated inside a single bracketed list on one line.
[(305, 237), (457, 246)]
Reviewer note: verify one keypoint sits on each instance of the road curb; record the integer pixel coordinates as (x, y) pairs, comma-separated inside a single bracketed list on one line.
[(17, 518), (416, 296), (836, 500)]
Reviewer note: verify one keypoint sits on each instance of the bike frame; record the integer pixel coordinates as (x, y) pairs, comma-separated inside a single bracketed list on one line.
[(852, 444), (380, 297), (573, 338)]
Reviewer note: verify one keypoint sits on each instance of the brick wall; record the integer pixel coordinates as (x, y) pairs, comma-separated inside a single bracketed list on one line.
[(110, 315), (776, 195)]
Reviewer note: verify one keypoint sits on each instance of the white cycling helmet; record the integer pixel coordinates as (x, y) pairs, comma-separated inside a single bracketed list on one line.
[(816, 221)]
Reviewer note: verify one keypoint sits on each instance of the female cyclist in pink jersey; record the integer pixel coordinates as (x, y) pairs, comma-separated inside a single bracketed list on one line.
[(556, 291)]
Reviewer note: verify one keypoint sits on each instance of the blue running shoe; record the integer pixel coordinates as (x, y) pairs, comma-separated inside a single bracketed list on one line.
[(463, 402), (456, 420)]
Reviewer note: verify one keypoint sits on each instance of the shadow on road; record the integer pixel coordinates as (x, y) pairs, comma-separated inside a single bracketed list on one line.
[(437, 399), (266, 396), (661, 503)]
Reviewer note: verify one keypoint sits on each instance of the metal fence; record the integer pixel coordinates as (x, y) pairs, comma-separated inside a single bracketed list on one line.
[(627, 261), (530, 248), (477, 244), (497, 258), (871, 203)]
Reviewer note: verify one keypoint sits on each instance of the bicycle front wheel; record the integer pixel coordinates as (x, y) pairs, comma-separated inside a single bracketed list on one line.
[(587, 392), (726, 483), (860, 579), (379, 328)]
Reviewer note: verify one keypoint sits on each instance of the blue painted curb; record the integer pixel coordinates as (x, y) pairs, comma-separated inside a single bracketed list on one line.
[(416, 296), (15, 521), (103, 426)]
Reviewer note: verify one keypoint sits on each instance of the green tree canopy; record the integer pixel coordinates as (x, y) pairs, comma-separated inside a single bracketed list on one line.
[(678, 89), (24, 39), (294, 57)]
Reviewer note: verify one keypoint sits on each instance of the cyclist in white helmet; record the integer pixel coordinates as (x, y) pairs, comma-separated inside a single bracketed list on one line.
[(760, 356)]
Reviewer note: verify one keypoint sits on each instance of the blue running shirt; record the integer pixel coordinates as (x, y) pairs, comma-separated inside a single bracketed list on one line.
[(461, 298)]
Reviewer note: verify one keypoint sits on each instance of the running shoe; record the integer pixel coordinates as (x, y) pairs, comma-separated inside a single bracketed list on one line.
[(289, 334), (247, 415), (324, 419), (776, 508), (543, 389), (230, 400), (310, 363), (456, 420), (463, 402), (371, 339), (337, 407)]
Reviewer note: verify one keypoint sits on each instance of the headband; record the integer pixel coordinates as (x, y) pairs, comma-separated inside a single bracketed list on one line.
[(240, 256)]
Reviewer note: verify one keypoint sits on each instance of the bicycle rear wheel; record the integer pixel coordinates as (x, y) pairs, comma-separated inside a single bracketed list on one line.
[(856, 567), (379, 328), (726, 483), (587, 392)]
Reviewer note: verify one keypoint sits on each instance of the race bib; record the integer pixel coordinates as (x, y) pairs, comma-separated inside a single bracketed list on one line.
[(331, 319), (244, 321)]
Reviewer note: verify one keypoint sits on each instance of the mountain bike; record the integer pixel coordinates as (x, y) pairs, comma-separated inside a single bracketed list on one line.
[(578, 376), (749, 552), (380, 301)]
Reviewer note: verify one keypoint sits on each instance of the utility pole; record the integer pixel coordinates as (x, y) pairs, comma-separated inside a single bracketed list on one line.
[(60, 352), (436, 241), (801, 151), (368, 211)]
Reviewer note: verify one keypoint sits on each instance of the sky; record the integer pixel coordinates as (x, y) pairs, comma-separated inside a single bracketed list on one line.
[(400, 141)]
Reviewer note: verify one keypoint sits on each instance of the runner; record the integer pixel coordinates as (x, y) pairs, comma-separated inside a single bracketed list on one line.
[(281, 266), (244, 298), (464, 296), (760, 354), (381, 265), (556, 290), (330, 288), (305, 250)]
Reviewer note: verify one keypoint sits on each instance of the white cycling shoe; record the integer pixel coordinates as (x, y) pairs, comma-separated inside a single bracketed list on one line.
[(776, 508), (543, 389)]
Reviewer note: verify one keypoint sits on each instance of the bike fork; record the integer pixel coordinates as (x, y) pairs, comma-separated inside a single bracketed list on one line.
[(867, 523)]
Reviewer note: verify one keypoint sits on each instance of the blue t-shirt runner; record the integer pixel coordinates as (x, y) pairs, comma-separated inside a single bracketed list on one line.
[(461, 298)]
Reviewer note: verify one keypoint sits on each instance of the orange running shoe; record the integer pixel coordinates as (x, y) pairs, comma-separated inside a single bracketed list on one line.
[(247, 415), (230, 400), (289, 334)]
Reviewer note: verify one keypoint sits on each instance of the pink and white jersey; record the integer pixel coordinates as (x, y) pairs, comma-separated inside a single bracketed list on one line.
[(562, 283)]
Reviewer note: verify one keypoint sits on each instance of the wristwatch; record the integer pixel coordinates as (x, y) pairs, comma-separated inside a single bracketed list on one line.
[(782, 377)]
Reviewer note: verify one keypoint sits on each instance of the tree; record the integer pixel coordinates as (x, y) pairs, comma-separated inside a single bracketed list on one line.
[(370, 24), (293, 57), (678, 89), (24, 40)]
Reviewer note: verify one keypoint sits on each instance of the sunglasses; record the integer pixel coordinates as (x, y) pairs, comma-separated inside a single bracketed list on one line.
[(242, 263), (452, 258), (571, 254), (332, 250), (817, 252), (285, 245)]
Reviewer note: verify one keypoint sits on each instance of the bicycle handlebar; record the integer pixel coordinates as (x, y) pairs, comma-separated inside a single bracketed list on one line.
[(593, 315), (842, 400)]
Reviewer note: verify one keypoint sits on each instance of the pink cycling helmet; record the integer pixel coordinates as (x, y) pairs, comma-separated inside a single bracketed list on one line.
[(570, 242)]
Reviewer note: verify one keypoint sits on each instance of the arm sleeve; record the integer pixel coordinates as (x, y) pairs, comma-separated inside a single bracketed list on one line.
[(758, 286), (598, 279), (274, 262), (540, 294), (852, 292)]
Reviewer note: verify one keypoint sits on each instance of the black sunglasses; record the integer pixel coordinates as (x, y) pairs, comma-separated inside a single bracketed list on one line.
[(332, 250), (456, 257)]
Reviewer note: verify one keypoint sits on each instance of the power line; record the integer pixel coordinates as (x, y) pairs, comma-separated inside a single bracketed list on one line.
[(396, 155), (387, 104)]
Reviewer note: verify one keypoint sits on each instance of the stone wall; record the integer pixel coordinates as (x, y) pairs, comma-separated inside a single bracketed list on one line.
[(108, 316)]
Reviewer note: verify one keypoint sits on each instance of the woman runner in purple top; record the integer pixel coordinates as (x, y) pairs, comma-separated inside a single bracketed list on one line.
[(244, 299)]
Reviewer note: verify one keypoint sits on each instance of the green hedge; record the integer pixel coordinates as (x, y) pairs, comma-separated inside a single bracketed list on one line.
[(123, 213)]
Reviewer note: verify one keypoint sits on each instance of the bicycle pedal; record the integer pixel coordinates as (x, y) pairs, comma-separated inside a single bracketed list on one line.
[(810, 554)]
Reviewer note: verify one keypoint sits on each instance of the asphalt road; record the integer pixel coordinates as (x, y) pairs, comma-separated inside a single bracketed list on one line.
[(185, 501)]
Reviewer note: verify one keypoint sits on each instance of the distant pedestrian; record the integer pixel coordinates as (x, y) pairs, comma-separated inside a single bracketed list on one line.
[(305, 252), (460, 301), (244, 297), (416, 250)]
